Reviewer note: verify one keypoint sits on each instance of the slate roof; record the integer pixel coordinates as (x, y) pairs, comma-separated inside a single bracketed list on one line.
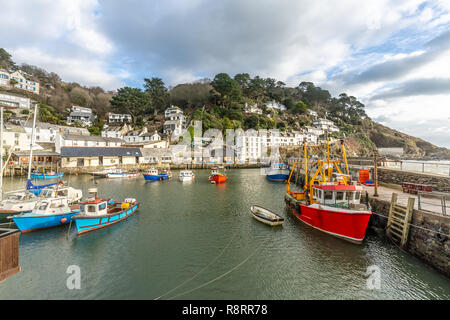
[(69, 152), (90, 138), (36, 153)]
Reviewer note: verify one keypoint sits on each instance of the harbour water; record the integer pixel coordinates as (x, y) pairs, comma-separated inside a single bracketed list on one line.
[(182, 227)]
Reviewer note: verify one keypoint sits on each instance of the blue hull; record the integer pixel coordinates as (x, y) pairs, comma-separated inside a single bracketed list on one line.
[(30, 222), (89, 224), (159, 177), (278, 177), (42, 176)]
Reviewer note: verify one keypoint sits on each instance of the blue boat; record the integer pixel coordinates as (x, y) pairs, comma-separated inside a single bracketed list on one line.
[(48, 213), (278, 172), (46, 176), (154, 175), (97, 213)]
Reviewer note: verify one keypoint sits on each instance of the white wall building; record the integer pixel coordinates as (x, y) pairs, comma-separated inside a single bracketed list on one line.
[(82, 115), (172, 110), (15, 139), (14, 101), (118, 132), (275, 105), (46, 132), (70, 140), (252, 109), (119, 118), (325, 124)]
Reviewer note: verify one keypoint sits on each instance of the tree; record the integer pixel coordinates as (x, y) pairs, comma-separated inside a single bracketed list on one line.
[(227, 87), (300, 107), (227, 123), (81, 97), (158, 92), (244, 81), (133, 101), (5, 60)]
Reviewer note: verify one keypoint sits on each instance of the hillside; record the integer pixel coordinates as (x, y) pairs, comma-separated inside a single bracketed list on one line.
[(219, 103)]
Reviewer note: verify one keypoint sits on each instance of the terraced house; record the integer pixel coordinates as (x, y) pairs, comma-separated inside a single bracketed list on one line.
[(21, 81)]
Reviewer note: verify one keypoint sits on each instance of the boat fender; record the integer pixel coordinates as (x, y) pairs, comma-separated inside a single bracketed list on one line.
[(63, 220)]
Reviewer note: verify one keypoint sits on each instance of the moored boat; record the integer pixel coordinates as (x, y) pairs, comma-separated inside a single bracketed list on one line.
[(48, 213), (17, 203), (186, 175), (115, 175), (266, 216), (104, 172), (96, 213), (46, 175), (277, 172), (329, 203), (153, 174), (216, 176)]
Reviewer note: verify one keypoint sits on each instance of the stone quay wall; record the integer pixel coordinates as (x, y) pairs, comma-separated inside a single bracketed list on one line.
[(440, 183), (428, 234)]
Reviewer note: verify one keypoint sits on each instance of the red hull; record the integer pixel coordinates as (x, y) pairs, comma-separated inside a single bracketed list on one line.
[(350, 226), (218, 179)]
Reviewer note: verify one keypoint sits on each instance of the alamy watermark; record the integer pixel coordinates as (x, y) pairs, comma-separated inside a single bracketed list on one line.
[(373, 281), (74, 280)]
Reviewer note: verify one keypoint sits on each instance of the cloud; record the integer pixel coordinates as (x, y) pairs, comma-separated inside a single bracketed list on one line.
[(390, 54), (415, 88)]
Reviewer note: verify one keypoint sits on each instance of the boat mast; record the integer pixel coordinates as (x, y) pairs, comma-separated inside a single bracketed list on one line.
[(328, 156), (32, 142), (1, 154), (305, 157), (345, 156)]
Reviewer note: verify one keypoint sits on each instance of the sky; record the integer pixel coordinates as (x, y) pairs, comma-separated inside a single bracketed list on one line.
[(393, 55)]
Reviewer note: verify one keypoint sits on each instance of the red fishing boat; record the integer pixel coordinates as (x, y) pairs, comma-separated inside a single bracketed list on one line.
[(330, 203), (216, 176)]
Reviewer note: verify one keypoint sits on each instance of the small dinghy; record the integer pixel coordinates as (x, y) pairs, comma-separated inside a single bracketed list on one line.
[(266, 216)]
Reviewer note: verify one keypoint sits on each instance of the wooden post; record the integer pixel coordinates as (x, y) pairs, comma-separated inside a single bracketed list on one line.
[(375, 175), (9, 253)]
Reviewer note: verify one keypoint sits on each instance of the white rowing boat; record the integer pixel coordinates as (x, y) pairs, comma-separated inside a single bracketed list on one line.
[(266, 216)]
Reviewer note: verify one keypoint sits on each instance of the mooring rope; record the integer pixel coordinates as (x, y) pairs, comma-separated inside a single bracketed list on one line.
[(203, 269), (416, 226), (221, 276)]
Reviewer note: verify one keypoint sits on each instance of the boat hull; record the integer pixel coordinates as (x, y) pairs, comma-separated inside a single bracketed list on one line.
[(184, 179), (343, 224), (278, 177), (122, 175), (29, 223), (153, 177), (41, 176), (86, 224), (218, 179)]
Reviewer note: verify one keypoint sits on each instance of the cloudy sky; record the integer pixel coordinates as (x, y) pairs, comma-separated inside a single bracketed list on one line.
[(392, 55)]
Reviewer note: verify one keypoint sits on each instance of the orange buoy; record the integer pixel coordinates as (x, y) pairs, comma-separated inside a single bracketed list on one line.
[(63, 220)]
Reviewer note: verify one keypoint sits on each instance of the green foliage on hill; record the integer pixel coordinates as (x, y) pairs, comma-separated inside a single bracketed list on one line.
[(219, 103)]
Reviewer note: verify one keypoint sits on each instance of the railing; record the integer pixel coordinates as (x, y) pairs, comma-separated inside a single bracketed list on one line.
[(425, 167), (444, 197)]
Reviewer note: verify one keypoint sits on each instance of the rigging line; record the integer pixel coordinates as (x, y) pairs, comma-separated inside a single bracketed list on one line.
[(203, 269), (413, 225), (221, 276)]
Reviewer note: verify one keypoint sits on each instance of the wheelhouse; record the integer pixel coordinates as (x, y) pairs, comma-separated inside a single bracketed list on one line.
[(94, 207), (337, 194)]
